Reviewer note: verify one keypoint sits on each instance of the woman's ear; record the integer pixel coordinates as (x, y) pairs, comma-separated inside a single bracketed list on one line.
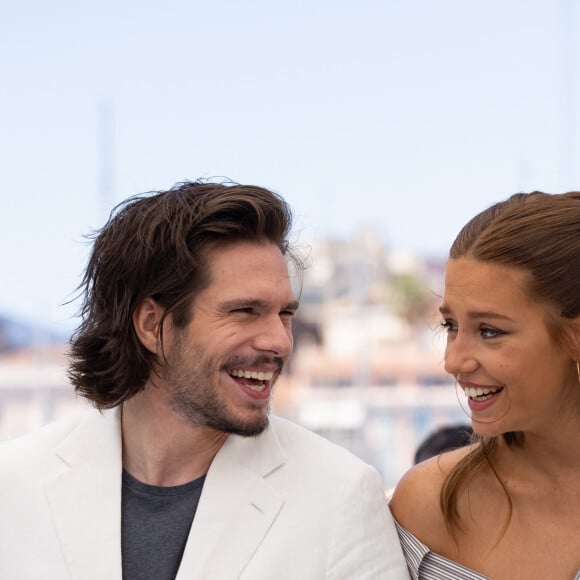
[(147, 319), (572, 338)]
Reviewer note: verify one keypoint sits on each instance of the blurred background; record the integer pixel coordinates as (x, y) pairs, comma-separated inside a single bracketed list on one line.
[(385, 124)]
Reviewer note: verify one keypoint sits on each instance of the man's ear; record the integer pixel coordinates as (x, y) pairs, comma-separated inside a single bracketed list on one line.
[(147, 323)]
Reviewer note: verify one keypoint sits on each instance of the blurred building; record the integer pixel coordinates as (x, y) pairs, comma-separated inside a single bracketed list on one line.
[(34, 389), (367, 371)]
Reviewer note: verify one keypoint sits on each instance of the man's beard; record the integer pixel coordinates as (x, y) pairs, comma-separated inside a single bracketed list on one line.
[(195, 395)]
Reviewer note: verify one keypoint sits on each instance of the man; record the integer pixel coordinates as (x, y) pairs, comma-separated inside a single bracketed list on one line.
[(186, 326)]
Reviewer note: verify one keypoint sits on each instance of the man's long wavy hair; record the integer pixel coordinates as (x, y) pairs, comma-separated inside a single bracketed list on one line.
[(538, 234), (155, 245)]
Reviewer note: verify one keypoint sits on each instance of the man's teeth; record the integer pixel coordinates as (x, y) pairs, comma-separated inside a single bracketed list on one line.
[(481, 393), (258, 375)]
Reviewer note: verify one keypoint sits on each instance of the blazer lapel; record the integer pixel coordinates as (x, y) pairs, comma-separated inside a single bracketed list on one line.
[(236, 509), (84, 494)]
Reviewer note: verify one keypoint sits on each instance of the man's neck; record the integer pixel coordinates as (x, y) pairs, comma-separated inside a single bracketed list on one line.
[(159, 448)]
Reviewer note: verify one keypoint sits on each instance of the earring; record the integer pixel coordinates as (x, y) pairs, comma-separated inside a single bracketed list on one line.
[(578, 370)]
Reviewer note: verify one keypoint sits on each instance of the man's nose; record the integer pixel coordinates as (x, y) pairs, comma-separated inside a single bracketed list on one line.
[(275, 335)]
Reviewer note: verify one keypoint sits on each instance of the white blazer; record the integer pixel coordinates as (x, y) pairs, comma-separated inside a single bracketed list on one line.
[(286, 505)]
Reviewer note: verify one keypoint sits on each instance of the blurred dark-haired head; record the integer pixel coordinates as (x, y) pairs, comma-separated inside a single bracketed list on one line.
[(443, 439)]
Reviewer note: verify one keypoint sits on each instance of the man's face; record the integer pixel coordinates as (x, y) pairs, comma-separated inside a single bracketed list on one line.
[(221, 367)]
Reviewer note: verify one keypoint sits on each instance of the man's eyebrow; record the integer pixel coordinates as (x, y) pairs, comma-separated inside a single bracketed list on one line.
[(254, 303), (478, 314)]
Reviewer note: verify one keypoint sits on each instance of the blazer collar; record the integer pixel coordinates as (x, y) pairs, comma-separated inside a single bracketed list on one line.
[(83, 488), (237, 507)]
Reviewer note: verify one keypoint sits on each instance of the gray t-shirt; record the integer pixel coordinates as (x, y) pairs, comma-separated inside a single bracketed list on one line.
[(155, 523)]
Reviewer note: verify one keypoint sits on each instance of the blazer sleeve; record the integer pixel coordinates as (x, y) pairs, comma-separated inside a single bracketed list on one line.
[(364, 541)]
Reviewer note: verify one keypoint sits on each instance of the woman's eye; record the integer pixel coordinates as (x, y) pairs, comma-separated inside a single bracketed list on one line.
[(488, 332), (449, 325)]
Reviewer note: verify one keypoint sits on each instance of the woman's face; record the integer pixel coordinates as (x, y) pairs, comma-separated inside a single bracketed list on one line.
[(516, 376)]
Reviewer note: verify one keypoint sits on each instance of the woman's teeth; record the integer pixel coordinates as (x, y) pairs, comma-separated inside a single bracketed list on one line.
[(481, 393)]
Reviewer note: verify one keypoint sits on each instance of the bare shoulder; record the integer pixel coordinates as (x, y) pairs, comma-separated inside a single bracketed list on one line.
[(416, 500), (416, 496)]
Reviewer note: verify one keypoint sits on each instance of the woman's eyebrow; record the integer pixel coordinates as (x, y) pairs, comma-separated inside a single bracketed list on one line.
[(478, 314)]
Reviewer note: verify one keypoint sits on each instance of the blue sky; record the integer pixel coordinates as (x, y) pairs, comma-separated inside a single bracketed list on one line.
[(408, 116)]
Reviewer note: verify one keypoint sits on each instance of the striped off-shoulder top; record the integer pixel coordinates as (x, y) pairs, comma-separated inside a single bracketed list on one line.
[(424, 564)]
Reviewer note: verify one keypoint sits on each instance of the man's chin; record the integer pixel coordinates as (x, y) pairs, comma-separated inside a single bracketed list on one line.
[(247, 428)]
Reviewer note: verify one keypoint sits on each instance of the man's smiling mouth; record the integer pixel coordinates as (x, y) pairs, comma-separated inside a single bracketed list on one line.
[(246, 374), (256, 381)]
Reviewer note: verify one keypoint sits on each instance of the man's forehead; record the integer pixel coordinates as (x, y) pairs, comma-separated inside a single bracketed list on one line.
[(250, 270)]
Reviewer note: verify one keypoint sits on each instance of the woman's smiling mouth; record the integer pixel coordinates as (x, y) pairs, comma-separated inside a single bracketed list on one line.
[(480, 393)]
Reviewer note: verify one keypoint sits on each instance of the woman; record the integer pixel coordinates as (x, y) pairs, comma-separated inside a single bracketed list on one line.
[(507, 506)]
